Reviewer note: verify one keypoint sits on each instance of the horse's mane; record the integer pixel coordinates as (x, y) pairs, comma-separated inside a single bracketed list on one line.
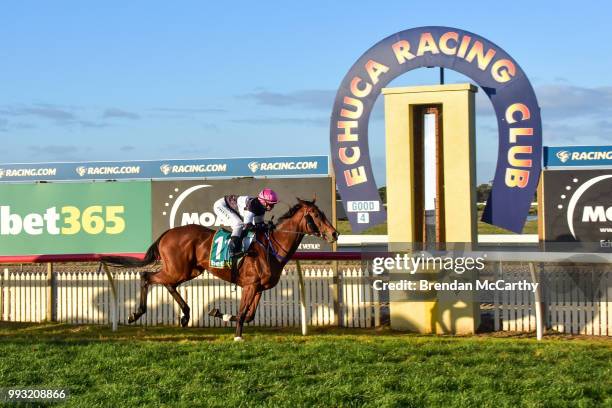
[(294, 209)]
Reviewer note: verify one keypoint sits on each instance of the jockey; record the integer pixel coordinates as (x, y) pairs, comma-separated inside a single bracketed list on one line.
[(240, 211)]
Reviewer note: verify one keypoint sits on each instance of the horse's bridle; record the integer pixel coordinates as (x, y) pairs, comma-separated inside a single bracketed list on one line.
[(314, 231)]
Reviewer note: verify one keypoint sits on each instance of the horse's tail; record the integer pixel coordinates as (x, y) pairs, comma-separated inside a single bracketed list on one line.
[(151, 256)]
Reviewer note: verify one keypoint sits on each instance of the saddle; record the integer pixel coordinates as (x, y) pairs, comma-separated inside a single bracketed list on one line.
[(219, 248)]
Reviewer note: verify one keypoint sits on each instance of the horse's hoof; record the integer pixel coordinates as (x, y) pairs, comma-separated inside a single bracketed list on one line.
[(132, 318), (238, 338), (184, 321), (215, 313)]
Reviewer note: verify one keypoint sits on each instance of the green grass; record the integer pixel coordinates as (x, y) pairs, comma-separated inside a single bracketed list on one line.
[(531, 227), (344, 227), (204, 367)]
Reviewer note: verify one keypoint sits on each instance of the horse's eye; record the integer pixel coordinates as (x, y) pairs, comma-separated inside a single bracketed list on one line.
[(316, 215)]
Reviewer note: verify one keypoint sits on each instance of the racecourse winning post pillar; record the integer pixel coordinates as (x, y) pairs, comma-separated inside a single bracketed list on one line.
[(431, 194)]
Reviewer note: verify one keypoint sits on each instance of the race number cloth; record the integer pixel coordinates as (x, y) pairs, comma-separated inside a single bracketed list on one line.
[(219, 251)]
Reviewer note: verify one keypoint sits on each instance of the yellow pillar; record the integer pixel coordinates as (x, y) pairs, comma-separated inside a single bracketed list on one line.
[(441, 312)]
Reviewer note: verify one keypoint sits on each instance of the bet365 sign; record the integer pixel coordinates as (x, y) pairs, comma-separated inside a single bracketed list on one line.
[(75, 218)]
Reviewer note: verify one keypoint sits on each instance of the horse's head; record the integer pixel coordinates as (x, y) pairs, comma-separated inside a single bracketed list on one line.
[(313, 221)]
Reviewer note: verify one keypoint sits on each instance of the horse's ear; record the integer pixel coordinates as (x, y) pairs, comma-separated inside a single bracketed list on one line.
[(299, 200), (314, 197)]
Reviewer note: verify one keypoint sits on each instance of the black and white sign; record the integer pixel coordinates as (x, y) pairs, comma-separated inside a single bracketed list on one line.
[(578, 206), (178, 203)]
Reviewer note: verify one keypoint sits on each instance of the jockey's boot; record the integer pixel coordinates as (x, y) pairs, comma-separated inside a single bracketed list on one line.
[(235, 246), (235, 251)]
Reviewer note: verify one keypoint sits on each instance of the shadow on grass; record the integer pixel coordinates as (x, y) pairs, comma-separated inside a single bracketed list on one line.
[(28, 333)]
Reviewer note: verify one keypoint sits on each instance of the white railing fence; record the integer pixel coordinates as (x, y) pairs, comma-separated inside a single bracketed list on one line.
[(85, 297), (577, 298)]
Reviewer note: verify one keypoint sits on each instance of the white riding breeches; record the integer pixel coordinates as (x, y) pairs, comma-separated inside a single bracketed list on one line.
[(228, 217)]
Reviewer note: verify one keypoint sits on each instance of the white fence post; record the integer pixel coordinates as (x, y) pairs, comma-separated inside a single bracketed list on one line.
[(49, 292), (5, 296), (302, 299), (537, 303)]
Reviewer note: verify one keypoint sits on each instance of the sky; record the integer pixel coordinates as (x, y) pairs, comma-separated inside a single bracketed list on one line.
[(146, 80)]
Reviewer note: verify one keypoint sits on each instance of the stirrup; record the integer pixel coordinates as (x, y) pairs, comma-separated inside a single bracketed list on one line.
[(237, 255)]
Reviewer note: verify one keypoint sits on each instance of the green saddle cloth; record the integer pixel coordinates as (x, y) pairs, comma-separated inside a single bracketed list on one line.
[(219, 249)]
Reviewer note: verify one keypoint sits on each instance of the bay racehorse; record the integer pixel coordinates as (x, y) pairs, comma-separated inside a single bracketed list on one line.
[(185, 254)]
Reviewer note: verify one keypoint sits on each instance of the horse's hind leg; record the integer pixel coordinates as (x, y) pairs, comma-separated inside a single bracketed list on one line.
[(225, 317), (184, 307), (144, 290), (231, 318)]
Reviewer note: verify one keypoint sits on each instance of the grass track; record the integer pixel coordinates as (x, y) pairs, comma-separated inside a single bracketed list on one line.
[(204, 367), (531, 227)]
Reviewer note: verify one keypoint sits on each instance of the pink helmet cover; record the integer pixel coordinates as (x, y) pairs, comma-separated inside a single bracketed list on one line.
[(267, 195)]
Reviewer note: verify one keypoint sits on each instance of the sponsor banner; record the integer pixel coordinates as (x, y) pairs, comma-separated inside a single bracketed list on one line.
[(578, 206), (562, 156), (497, 74), (74, 218), (169, 169), (176, 203)]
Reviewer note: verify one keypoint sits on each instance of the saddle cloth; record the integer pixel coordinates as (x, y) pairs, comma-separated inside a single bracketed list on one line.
[(219, 248)]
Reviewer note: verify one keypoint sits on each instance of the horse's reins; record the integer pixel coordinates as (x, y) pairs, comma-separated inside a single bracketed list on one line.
[(315, 232), (270, 248)]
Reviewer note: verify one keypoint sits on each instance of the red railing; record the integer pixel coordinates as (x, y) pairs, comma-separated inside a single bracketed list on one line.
[(300, 256), (60, 258)]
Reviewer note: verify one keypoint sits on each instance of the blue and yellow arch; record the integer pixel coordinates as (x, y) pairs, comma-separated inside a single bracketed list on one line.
[(494, 70)]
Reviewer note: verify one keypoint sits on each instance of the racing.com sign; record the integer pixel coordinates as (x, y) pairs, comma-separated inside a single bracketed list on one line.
[(589, 156), (256, 166), (167, 169), (27, 172)]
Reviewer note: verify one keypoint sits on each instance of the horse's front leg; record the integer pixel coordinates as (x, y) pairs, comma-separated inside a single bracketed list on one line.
[(248, 296), (253, 308)]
